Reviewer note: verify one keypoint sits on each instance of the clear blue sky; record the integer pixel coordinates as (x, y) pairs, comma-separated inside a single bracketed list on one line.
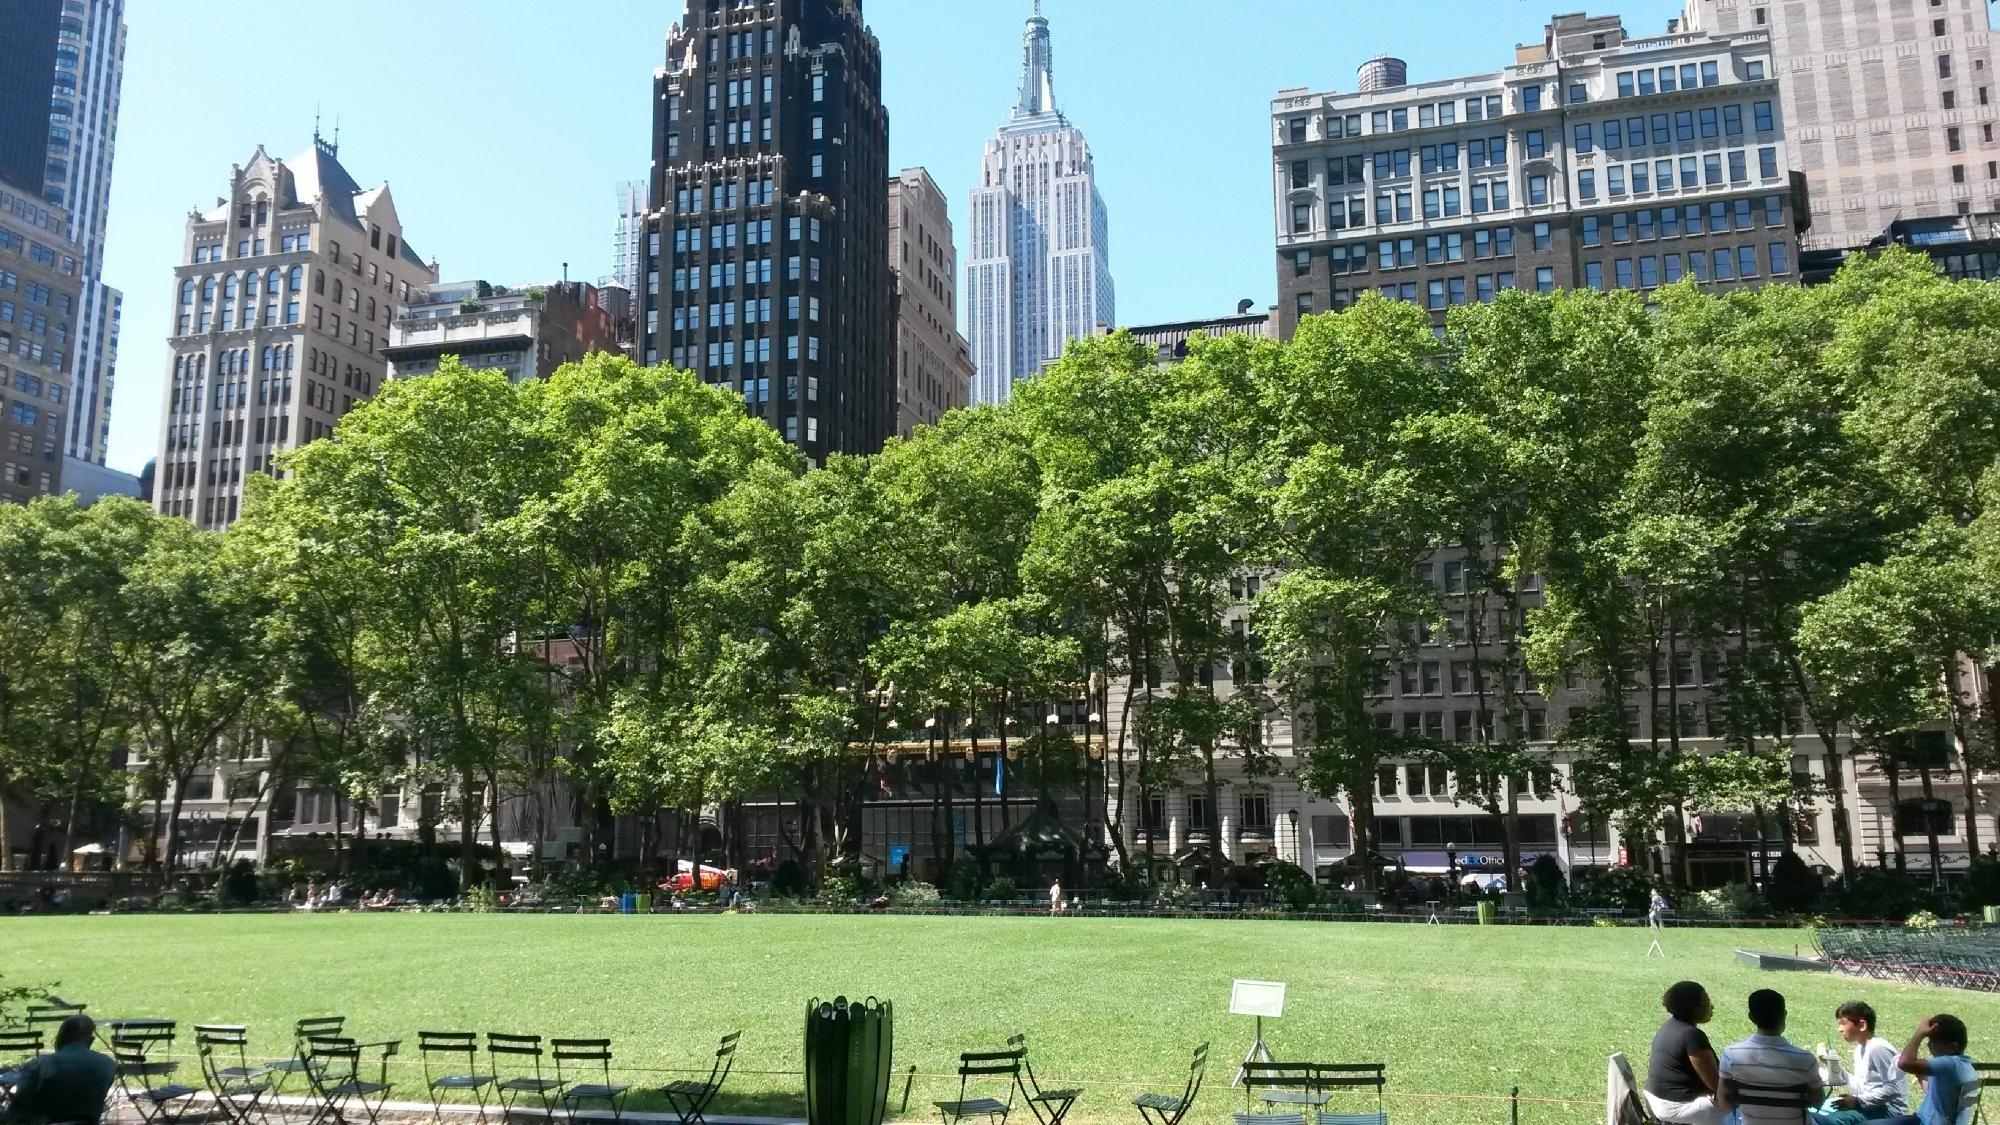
[(502, 125)]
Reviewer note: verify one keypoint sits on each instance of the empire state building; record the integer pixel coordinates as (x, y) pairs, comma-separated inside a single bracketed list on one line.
[(1039, 273)]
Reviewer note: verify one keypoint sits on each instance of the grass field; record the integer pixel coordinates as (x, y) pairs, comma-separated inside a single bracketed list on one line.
[(1459, 1013)]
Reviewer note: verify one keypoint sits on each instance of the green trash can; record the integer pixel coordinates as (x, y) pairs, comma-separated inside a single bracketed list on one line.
[(848, 1049), (1992, 915), (1489, 913), (643, 902)]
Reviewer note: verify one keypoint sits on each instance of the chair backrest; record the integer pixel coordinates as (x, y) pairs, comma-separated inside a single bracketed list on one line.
[(725, 1058), (460, 1044), (1773, 1104), (222, 1035), (582, 1054), (1197, 1070), (973, 1064), (333, 1060), (515, 1048), (1623, 1104), (143, 1035), (1263, 1075), (318, 1027), (1968, 1101), (20, 1044), (54, 1010)]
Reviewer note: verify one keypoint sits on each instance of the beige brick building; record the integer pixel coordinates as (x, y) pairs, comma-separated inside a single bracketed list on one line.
[(933, 361), (1889, 105)]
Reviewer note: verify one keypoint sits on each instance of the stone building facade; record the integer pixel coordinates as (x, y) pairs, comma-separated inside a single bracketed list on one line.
[(282, 309), (1594, 160), (526, 331), (41, 282)]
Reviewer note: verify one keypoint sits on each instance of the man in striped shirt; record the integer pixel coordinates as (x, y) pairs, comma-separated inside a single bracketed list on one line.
[(1770, 1063)]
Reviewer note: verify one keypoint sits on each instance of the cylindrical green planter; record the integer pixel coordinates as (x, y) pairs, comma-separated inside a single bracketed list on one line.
[(1489, 913), (848, 1050), (643, 902), (1993, 915)]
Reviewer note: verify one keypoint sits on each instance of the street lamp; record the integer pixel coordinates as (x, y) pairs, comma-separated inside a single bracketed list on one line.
[(1298, 845), (930, 737), (1451, 867)]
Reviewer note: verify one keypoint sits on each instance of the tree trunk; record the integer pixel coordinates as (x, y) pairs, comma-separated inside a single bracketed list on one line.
[(468, 831), (1893, 767), (1930, 825), (1967, 783)]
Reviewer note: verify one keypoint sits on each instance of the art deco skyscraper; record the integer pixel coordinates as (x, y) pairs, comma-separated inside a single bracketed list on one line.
[(282, 312), (1038, 273), (767, 255)]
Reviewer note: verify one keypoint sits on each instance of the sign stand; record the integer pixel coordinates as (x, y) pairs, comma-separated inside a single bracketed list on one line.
[(1257, 998), (1654, 927)]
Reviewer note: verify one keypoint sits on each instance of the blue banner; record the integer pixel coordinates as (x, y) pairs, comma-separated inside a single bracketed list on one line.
[(999, 775)]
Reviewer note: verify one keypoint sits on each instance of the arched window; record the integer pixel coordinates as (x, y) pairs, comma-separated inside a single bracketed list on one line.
[(1921, 816), (229, 288), (250, 284), (336, 290), (271, 283), (295, 278), (208, 289), (187, 292), (288, 357)]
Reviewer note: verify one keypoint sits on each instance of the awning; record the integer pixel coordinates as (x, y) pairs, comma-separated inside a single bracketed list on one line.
[(88, 849)]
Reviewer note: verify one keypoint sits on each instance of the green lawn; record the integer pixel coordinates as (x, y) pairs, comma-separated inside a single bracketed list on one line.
[(1115, 1005)]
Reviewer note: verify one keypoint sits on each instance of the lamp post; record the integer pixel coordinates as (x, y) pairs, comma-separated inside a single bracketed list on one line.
[(1298, 845), (1451, 868)]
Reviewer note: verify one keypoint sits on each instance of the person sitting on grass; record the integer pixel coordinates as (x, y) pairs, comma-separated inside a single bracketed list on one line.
[(1876, 1087), (1946, 1074), (1680, 1078), (1769, 1062), (68, 1084)]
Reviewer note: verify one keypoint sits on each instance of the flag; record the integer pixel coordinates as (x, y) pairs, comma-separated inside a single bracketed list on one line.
[(999, 775)]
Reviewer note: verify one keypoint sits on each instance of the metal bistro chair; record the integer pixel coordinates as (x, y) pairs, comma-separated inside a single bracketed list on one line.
[(1047, 1104), (1355, 1075), (303, 1032), (985, 1066), (515, 1049), (447, 1046), (145, 1079), (1166, 1109), (16, 1048), (1795, 1098), (1632, 1108), (688, 1098), (52, 1011), (334, 1067), (1968, 1098), (587, 1056), (239, 1088), (1279, 1084)]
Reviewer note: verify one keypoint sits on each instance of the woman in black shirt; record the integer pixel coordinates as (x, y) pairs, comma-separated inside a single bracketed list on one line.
[(1681, 1077)]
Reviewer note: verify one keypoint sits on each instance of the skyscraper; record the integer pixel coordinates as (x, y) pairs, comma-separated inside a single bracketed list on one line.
[(282, 313), (1038, 270), (766, 256), (627, 263), (83, 129), (27, 60), (1891, 106)]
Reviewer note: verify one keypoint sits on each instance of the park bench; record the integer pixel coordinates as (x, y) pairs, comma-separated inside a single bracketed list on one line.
[(1167, 1109), (983, 1067), (1049, 1105), (447, 1049), (585, 1057), (689, 1098), (237, 1086), (335, 1067)]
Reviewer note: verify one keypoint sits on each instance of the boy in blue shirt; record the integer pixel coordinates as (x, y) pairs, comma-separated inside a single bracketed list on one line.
[(1947, 1074)]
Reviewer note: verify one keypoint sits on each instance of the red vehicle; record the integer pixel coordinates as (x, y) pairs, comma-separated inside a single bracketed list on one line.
[(710, 878)]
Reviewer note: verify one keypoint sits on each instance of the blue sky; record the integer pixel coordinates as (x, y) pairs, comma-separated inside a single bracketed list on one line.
[(502, 125)]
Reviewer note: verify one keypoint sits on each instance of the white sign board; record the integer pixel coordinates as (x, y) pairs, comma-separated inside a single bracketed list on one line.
[(1257, 998)]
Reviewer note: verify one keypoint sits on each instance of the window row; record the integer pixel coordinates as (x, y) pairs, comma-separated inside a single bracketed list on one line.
[(1667, 79), (1696, 172), (1671, 222), (1680, 127), (1724, 264)]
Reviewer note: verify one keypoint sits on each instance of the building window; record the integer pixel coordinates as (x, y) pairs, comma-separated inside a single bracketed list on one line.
[(1944, 66)]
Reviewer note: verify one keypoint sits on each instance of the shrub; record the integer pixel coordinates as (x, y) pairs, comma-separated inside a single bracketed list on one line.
[(238, 885), (1546, 889), (1921, 920), (1627, 888), (840, 890), (1000, 887), (788, 880), (1877, 892), (1289, 884), (1734, 900), (1982, 884), (913, 893), (1792, 886), (961, 880), (481, 899)]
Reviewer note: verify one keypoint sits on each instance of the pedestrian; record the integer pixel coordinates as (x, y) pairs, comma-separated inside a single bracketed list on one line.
[(68, 1084), (1055, 897)]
